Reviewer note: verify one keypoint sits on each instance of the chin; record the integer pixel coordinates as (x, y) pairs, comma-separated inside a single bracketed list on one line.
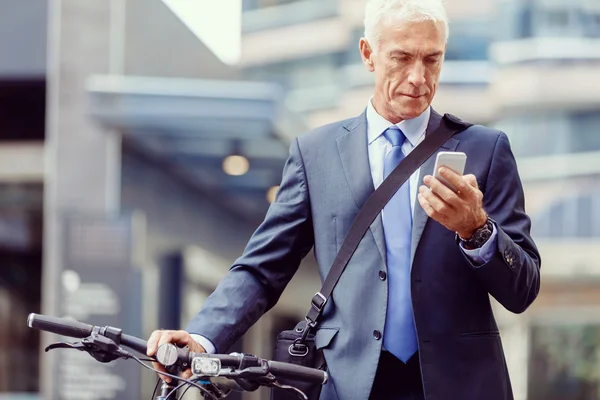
[(411, 109)]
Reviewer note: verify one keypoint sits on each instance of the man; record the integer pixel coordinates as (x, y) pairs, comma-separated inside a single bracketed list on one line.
[(410, 317)]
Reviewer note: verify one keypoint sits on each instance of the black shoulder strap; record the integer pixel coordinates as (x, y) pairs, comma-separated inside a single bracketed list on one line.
[(449, 125)]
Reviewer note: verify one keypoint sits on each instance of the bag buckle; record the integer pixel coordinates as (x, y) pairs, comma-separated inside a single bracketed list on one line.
[(318, 302), (298, 350)]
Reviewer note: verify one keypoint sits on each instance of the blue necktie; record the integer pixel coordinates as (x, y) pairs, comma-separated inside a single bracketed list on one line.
[(400, 336)]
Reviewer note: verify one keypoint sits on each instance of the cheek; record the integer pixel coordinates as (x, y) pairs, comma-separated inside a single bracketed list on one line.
[(389, 83), (433, 80), (395, 78)]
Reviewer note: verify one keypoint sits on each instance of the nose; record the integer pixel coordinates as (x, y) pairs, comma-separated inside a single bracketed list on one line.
[(417, 74)]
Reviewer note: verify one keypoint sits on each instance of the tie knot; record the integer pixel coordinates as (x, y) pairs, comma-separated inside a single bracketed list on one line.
[(394, 135)]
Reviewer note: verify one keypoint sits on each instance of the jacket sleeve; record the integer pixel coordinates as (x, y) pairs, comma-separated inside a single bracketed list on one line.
[(272, 256), (512, 275)]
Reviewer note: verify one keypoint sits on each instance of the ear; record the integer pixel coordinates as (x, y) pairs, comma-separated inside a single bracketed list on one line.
[(366, 54)]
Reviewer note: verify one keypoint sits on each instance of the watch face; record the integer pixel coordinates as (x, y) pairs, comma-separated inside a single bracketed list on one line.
[(481, 235)]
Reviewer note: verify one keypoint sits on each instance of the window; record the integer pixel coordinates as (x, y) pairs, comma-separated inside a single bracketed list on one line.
[(585, 128), (585, 218), (514, 21), (548, 134), (576, 216), (352, 54), (556, 20), (548, 18), (590, 21), (469, 40)]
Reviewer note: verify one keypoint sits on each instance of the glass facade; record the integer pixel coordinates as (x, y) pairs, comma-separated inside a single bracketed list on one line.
[(548, 18), (553, 133), (576, 216), (469, 40)]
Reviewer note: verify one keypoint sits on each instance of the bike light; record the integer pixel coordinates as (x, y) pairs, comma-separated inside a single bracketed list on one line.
[(167, 354), (205, 366)]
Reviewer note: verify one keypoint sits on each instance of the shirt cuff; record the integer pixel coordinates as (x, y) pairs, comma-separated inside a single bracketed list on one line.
[(204, 342), (484, 254)]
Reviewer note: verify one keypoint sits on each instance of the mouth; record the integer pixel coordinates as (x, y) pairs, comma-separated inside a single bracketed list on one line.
[(412, 96)]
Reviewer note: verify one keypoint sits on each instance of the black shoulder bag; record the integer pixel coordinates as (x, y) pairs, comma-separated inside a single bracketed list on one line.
[(298, 346)]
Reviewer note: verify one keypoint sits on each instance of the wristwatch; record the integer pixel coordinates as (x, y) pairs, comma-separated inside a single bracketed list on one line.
[(480, 236)]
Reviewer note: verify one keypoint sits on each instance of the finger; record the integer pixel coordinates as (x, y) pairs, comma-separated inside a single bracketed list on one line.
[(161, 368), (153, 343), (437, 203), (456, 179), (187, 374), (471, 180), (443, 191), (176, 337), (426, 206)]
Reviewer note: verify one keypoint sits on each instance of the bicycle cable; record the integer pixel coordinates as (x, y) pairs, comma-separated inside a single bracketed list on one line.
[(155, 388), (204, 391), (175, 390), (186, 389)]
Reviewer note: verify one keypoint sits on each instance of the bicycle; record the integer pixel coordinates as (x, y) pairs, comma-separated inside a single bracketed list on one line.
[(214, 375)]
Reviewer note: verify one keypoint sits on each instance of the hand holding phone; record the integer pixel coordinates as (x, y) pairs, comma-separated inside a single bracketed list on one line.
[(453, 160)]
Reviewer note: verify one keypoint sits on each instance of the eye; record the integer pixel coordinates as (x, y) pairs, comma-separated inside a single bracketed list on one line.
[(432, 60)]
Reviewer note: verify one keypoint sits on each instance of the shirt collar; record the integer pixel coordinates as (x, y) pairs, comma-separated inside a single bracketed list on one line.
[(412, 128)]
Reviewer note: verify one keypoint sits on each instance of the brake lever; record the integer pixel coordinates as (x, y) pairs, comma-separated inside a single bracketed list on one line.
[(102, 349), (65, 345), (292, 389)]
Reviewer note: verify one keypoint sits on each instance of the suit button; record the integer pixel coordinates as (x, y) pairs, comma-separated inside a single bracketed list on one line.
[(508, 256), (377, 335), (382, 275)]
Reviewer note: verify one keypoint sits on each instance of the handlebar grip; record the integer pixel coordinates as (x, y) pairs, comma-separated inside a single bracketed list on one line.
[(298, 372), (139, 345), (61, 326)]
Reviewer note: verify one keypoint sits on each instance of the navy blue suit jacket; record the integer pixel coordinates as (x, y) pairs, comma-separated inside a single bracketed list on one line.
[(325, 182)]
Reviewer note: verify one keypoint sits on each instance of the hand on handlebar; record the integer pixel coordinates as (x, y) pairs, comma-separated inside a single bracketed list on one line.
[(180, 338)]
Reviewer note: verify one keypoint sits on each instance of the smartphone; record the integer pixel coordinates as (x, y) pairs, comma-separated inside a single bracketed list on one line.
[(455, 160)]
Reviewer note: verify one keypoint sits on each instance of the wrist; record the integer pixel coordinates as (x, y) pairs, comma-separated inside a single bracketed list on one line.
[(468, 234), (479, 237)]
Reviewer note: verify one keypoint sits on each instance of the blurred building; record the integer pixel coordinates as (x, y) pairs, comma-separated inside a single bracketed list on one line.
[(134, 163)]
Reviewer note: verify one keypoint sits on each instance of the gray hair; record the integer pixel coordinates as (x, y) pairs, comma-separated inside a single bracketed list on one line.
[(403, 10)]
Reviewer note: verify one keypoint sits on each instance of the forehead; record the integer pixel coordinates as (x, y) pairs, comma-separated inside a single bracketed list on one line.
[(412, 37)]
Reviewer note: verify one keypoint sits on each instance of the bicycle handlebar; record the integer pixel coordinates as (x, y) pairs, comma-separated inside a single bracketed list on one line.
[(298, 372), (80, 330), (277, 368)]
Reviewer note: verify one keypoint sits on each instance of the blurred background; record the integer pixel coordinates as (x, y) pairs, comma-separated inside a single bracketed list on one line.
[(141, 142)]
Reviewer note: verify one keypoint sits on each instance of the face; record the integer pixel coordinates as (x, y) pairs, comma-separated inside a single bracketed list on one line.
[(407, 67)]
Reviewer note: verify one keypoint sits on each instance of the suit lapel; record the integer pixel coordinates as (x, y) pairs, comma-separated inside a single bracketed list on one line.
[(420, 217), (353, 149)]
